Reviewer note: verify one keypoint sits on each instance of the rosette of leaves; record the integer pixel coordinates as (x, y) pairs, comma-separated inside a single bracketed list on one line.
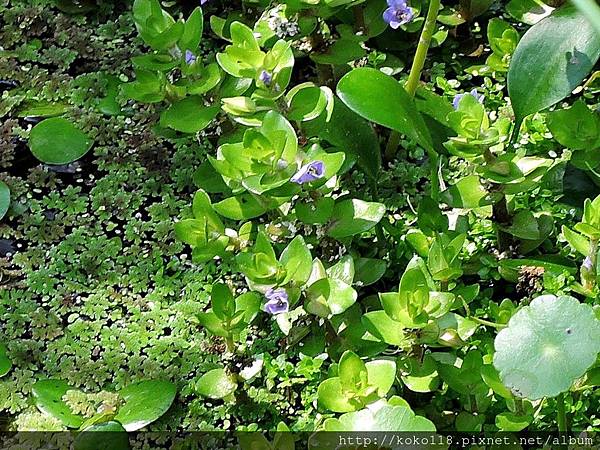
[(503, 39), (206, 233), (141, 404), (547, 346), (258, 169), (228, 317), (265, 75), (357, 384), (175, 45), (264, 270), (578, 128)]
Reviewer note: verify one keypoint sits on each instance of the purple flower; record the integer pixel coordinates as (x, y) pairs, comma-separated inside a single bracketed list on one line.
[(265, 77), (202, 2), (587, 263), (190, 58), (277, 301), (309, 172), (398, 13), (479, 97)]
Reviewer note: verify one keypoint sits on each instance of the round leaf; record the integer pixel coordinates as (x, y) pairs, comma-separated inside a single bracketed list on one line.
[(216, 383), (4, 199), (546, 346), (386, 418), (48, 396), (58, 141), (144, 403), (553, 57)]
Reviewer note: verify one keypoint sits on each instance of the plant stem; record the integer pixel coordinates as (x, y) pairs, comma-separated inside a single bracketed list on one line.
[(561, 415), (392, 145), (413, 82), (487, 322), (230, 344), (417, 66)]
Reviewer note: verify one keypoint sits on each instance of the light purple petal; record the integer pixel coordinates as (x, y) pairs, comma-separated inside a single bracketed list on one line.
[(312, 171), (456, 100), (389, 15), (397, 4), (277, 301)]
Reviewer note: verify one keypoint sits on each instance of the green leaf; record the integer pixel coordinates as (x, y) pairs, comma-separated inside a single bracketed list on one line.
[(192, 31), (419, 376), (354, 216), (297, 260), (490, 376), (347, 130), (58, 141), (386, 418), (241, 207), (343, 270), (577, 127), (368, 271), (189, 115), (4, 199), (547, 346), (102, 436), (352, 372), (145, 402), (222, 301), (315, 212), (382, 375), (337, 295), (508, 421), (5, 363), (48, 395), (216, 384), (384, 328), (381, 99), (333, 397), (467, 193), (550, 61)]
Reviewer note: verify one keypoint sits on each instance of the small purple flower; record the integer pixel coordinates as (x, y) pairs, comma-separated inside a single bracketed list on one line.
[(277, 301), (202, 2), (265, 77), (457, 98), (190, 58), (398, 13), (587, 263), (312, 171)]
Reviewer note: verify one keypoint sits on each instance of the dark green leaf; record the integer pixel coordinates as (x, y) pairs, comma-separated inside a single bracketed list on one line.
[(58, 141)]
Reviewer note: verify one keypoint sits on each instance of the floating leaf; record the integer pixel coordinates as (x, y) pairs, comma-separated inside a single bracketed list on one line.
[(144, 403), (551, 60), (216, 383), (546, 346), (58, 141), (48, 396)]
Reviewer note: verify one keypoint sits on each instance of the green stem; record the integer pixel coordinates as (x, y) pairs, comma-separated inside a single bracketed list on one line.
[(392, 145), (415, 76), (417, 66), (487, 322), (230, 344), (561, 415)]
